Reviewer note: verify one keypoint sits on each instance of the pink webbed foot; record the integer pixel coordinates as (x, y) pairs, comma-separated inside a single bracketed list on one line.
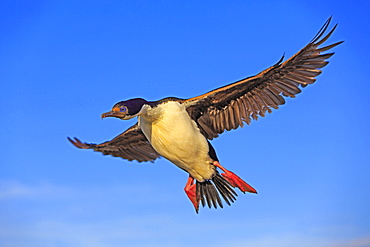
[(191, 192), (234, 179)]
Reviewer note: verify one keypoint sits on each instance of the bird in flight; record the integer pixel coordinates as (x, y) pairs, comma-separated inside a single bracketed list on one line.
[(180, 129)]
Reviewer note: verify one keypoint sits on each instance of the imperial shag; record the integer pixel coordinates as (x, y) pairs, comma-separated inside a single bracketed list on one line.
[(180, 129)]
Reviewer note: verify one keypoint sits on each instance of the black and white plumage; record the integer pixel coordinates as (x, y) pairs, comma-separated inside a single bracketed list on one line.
[(179, 129)]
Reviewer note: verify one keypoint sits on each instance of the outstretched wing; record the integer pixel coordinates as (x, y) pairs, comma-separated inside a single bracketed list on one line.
[(131, 145), (228, 107)]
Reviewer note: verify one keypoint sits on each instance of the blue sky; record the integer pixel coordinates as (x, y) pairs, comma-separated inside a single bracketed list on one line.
[(63, 63)]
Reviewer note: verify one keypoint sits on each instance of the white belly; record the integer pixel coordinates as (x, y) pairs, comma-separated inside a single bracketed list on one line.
[(176, 137)]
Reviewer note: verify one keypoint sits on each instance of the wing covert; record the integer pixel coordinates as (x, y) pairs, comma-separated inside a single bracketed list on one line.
[(131, 145)]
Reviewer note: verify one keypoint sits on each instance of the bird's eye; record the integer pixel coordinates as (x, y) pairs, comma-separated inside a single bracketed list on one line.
[(123, 109)]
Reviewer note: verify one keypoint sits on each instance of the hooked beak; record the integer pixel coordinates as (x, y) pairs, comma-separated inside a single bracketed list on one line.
[(109, 114), (114, 113)]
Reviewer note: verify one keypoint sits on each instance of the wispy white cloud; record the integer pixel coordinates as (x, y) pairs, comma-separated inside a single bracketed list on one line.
[(356, 242), (160, 230), (10, 189), (64, 215), (137, 230)]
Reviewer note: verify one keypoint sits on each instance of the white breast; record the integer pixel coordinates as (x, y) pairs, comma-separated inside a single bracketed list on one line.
[(175, 136)]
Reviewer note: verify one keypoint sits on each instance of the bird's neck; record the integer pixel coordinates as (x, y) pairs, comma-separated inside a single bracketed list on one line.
[(150, 114)]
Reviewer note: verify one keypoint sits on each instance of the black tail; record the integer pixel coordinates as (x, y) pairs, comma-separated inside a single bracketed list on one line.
[(209, 192)]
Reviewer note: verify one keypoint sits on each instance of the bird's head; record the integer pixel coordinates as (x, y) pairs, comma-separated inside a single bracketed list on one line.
[(126, 109)]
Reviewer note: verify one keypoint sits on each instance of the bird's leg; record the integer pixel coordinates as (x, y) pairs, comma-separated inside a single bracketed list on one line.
[(191, 192), (234, 179)]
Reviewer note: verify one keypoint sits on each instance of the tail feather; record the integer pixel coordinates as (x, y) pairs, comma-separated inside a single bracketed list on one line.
[(226, 190), (208, 193)]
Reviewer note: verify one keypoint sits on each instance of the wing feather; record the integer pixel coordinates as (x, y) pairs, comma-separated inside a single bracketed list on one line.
[(227, 107), (131, 145)]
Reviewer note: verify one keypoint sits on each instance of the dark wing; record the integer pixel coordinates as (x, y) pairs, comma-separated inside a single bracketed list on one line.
[(228, 107), (131, 145)]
